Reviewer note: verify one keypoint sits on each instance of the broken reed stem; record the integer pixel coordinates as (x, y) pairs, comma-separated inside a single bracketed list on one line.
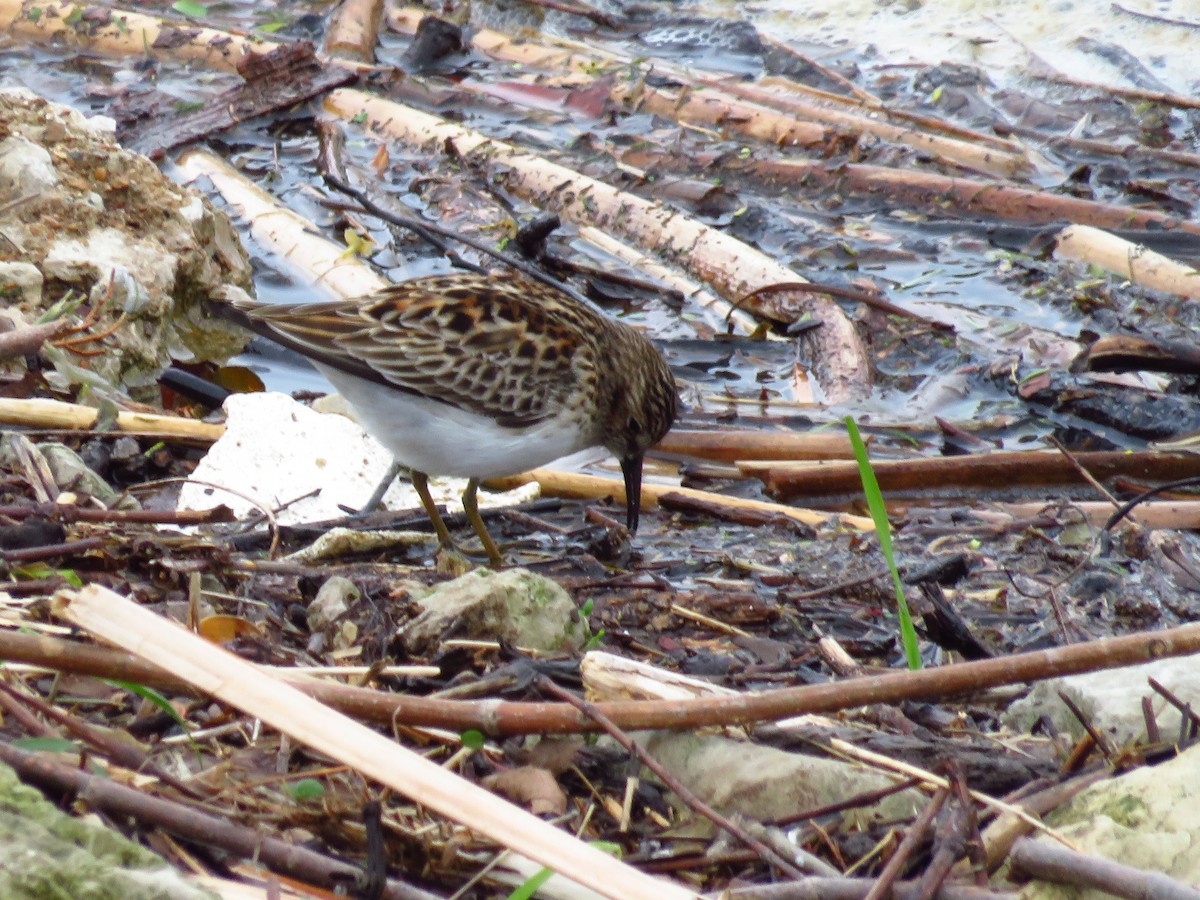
[(39, 413)]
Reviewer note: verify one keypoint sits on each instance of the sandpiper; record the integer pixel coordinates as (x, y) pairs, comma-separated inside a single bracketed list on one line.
[(480, 376)]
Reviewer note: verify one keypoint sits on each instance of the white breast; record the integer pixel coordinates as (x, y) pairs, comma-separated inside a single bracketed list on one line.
[(439, 439)]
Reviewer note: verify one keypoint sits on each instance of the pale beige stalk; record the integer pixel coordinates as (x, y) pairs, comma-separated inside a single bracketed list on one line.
[(1127, 260), (735, 269), (39, 413), (219, 674)]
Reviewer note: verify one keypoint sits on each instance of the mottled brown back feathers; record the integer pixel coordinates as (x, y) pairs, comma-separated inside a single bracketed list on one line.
[(503, 346)]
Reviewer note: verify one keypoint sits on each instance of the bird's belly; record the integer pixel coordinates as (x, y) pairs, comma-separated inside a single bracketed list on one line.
[(439, 439)]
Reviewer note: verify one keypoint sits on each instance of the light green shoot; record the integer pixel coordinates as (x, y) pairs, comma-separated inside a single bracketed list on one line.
[(908, 634)]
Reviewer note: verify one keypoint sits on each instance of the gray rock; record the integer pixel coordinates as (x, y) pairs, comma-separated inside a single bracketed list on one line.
[(333, 601), (25, 168), (766, 783), (71, 473), (47, 853), (514, 605), (21, 282)]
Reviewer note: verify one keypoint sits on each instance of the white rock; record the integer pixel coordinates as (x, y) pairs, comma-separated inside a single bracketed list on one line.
[(25, 168), (1148, 818), (26, 278), (1112, 699), (104, 249), (277, 450)]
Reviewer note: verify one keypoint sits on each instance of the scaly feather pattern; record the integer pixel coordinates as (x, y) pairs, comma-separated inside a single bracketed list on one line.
[(511, 349)]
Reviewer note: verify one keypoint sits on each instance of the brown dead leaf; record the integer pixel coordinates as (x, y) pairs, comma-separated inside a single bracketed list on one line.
[(223, 629), (532, 787), (381, 160), (239, 379), (556, 754)]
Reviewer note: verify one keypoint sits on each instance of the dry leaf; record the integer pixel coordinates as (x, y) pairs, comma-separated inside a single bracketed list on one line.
[(533, 787), (381, 160), (223, 629), (556, 755)]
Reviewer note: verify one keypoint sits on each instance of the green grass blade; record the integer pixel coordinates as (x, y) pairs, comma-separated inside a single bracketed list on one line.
[(908, 634)]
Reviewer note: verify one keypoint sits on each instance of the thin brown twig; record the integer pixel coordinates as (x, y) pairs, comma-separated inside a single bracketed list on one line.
[(73, 343), (13, 704), (838, 587), (1185, 709), (66, 512), (127, 754), (92, 317), (579, 9), (1152, 733), (1093, 733), (26, 340), (842, 292), (973, 839), (1083, 472), (1166, 20), (869, 798), (917, 832), (948, 848), (1078, 755), (64, 548), (1060, 614), (836, 77), (506, 717), (272, 521)]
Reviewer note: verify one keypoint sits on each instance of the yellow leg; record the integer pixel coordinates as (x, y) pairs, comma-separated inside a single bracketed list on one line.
[(420, 483), (471, 508)]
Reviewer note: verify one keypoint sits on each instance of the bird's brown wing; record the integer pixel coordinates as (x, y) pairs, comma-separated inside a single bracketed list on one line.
[(511, 349)]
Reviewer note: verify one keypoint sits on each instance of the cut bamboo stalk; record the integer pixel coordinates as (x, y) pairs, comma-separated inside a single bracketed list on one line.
[(967, 196), (354, 30), (122, 33), (1161, 514), (871, 107), (219, 674), (55, 414), (757, 113), (709, 107), (986, 471), (1127, 260), (734, 446), (592, 487), (283, 231), (652, 268)]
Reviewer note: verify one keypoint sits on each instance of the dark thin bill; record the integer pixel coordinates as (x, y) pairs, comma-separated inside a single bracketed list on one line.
[(631, 467)]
